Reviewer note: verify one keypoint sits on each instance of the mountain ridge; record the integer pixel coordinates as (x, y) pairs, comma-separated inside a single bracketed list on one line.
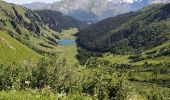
[(96, 10), (133, 35), (58, 21)]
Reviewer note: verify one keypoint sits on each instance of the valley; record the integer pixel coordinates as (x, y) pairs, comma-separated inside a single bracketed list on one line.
[(48, 55), (69, 50)]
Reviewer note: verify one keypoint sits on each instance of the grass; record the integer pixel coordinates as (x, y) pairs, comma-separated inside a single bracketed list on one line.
[(15, 95), (150, 81), (68, 34), (68, 51), (157, 60), (35, 95), (119, 59), (13, 51), (151, 91), (123, 59), (159, 47), (144, 88)]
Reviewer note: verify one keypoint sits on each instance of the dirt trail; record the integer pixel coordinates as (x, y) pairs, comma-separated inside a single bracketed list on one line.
[(7, 43)]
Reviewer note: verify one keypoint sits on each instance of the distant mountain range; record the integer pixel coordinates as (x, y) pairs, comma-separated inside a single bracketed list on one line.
[(36, 5), (93, 10)]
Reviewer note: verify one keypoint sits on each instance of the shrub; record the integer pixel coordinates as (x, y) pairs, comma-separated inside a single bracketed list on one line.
[(54, 75), (105, 84)]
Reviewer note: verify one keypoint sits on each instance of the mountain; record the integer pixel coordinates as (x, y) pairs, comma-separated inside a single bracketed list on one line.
[(58, 22), (27, 27), (39, 29), (85, 16), (96, 10), (100, 9), (36, 5), (91, 10), (91, 34), (132, 33)]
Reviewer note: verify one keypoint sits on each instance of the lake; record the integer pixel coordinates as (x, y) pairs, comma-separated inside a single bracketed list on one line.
[(66, 42)]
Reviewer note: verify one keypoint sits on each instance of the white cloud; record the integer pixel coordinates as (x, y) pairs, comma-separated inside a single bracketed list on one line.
[(132, 1), (128, 1), (115, 1), (29, 1), (158, 1)]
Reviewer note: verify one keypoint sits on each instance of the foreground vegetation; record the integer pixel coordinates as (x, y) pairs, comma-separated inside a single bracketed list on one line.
[(52, 78), (43, 70), (57, 77)]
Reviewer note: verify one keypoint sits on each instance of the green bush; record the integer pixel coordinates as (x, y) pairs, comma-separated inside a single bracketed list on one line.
[(104, 84), (54, 75)]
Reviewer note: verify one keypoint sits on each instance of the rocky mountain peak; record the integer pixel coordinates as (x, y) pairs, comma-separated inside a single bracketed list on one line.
[(95, 10)]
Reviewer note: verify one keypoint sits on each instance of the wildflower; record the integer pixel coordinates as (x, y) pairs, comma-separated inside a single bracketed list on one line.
[(27, 82)]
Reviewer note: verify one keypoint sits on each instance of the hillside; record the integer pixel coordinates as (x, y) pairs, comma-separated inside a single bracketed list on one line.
[(12, 51), (148, 28), (137, 44), (58, 22), (27, 27), (92, 34)]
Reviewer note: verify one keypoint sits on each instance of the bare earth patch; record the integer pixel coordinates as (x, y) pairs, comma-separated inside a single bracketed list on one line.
[(7, 43)]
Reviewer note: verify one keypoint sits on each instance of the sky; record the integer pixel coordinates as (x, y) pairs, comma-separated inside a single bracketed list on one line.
[(51, 1), (29, 1)]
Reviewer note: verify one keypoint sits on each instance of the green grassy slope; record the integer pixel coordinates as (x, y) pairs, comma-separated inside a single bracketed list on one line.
[(15, 95), (12, 50), (35, 95), (27, 27)]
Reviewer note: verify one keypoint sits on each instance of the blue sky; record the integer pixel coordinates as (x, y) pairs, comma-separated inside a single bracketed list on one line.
[(29, 1)]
